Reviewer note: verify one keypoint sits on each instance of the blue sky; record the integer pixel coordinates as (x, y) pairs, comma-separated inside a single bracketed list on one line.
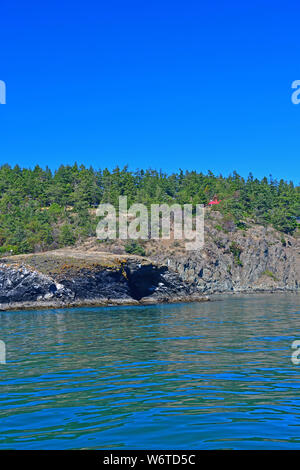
[(192, 85)]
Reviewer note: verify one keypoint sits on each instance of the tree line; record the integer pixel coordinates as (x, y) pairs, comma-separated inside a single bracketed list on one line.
[(42, 209)]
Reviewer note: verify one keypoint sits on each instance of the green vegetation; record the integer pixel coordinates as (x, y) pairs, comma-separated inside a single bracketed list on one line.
[(269, 273), (134, 248), (40, 209), (236, 251), (283, 242)]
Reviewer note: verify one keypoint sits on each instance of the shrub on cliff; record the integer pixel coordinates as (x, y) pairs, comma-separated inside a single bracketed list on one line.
[(134, 248)]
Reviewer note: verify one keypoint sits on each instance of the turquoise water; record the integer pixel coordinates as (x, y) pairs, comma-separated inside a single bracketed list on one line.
[(214, 375)]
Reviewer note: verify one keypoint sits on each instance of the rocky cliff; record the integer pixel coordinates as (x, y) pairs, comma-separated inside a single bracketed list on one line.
[(256, 259), (250, 258), (66, 278)]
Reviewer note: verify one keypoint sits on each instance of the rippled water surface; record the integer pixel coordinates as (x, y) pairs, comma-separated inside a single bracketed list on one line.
[(214, 375)]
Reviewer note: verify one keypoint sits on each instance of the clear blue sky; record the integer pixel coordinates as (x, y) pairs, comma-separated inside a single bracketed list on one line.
[(167, 84)]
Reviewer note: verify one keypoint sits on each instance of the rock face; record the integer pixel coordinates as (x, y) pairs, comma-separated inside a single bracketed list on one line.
[(129, 282), (22, 284), (259, 259)]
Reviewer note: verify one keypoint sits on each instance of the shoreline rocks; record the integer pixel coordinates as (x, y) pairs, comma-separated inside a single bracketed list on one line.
[(130, 281), (252, 262)]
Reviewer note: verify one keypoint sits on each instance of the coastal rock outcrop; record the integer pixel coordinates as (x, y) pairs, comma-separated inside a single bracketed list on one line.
[(259, 259), (74, 280), (20, 283)]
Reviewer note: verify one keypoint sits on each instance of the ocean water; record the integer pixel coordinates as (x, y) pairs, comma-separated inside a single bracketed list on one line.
[(214, 375)]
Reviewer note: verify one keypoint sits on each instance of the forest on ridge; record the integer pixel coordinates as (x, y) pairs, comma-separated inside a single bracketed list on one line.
[(42, 209)]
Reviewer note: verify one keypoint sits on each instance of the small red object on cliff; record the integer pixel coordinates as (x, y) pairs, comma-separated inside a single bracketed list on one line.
[(214, 201)]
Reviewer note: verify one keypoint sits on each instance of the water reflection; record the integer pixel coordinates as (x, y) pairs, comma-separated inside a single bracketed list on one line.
[(208, 375)]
